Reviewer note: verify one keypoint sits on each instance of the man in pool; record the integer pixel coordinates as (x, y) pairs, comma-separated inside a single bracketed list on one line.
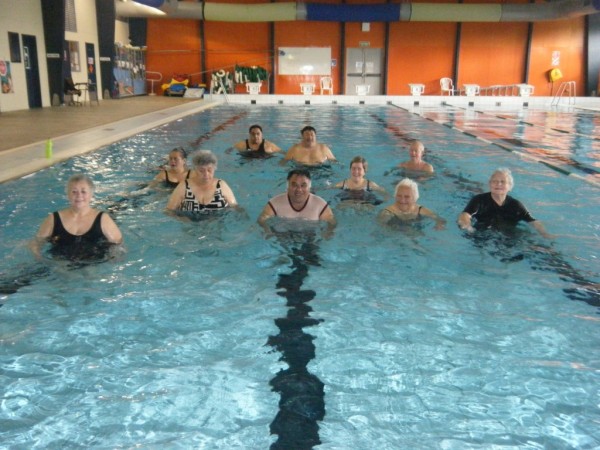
[(416, 163), (298, 202), (496, 209), (308, 151), (256, 146)]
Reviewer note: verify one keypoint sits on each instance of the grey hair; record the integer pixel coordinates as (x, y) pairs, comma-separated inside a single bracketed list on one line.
[(407, 182), (507, 173), (79, 177), (204, 158)]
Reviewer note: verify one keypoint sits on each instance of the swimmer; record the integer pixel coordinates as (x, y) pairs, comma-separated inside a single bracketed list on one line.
[(79, 231), (256, 146), (357, 186), (308, 151), (405, 207), (496, 209), (298, 202), (416, 163), (177, 171), (202, 192)]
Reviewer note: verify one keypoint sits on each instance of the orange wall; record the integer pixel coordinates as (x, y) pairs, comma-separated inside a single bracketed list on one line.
[(419, 52)]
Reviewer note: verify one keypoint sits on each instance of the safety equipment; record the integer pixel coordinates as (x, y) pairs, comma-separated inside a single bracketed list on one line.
[(554, 74)]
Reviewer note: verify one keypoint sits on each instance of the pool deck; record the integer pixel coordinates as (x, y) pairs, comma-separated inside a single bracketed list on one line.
[(74, 130)]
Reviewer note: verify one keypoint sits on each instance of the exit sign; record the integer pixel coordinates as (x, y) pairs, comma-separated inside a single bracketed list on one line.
[(364, 44)]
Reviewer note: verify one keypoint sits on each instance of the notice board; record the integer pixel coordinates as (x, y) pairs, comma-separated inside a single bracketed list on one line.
[(304, 61)]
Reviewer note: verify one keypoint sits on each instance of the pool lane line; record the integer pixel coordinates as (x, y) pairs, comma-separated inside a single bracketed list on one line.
[(221, 127), (302, 394), (524, 155)]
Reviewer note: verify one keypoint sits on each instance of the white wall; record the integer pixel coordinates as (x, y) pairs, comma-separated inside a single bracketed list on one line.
[(122, 32), (23, 17)]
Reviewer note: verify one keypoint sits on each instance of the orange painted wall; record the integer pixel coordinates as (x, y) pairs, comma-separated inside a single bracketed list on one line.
[(419, 52)]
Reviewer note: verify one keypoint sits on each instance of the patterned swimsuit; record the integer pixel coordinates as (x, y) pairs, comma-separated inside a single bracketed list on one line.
[(190, 204)]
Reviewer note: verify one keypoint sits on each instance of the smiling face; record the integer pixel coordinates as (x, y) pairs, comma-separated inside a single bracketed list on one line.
[(500, 184), (79, 194), (309, 138), (255, 136), (357, 170), (405, 199), (416, 150), (298, 188)]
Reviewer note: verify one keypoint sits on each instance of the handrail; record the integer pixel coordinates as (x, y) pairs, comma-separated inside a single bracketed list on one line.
[(153, 80), (568, 89)]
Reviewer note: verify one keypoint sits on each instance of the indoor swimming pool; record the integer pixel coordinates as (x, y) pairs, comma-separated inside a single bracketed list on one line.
[(209, 334)]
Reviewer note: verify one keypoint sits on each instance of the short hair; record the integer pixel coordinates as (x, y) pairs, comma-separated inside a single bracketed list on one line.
[(252, 127), (77, 178), (298, 172), (204, 158), (507, 173), (419, 144), (360, 159), (407, 182), (307, 128), (179, 150)]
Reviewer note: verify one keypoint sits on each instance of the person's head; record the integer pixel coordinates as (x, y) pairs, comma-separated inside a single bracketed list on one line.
[(416, 149), (407, 191), (256, 133), (177, 157), (309, 134), (358, 166), (80, 188), (205, 163), (501, 181), (299, 183)]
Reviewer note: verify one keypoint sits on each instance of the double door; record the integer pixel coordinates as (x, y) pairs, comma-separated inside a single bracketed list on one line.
[(364, 67)]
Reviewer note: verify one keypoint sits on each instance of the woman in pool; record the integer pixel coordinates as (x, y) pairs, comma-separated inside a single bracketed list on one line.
[(358, 188), (405, 207), (202, 192), (177, 171), (78, 232), (256, 146)]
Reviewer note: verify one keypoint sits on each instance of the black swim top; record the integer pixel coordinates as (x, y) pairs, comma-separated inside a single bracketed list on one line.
[(190, 204), (91, 245), (173, 184), (260, 152), (367, 188)]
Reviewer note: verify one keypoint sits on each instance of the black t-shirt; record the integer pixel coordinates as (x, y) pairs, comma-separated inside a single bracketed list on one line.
[(489, 214)]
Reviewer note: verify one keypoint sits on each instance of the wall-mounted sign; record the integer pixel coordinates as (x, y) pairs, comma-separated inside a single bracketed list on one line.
[(53, 55), (364, 44)]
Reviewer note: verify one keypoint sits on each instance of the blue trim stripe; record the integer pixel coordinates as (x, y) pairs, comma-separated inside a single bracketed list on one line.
[(353, 13), (153, 3)]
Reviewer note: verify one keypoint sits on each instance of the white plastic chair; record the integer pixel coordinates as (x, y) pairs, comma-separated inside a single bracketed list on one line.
[(447, 86), (363, 89), (307, 88), (416, 88), (253, 88), (327, 85)]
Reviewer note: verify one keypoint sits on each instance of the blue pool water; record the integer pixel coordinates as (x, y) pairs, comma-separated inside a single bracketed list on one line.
[(207, 335)]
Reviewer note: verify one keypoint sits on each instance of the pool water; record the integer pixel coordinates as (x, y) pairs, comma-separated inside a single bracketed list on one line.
[(207, 334)]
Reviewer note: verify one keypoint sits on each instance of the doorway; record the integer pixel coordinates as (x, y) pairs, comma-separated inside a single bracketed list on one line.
[(32, 72), (364, 67)]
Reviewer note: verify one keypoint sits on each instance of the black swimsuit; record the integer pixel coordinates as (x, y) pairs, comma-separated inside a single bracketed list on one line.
[(173, 184), (91, 245), (260, 152)]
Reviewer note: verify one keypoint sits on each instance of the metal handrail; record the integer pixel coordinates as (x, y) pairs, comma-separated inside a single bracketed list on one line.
[(153, 80), (568, 89)]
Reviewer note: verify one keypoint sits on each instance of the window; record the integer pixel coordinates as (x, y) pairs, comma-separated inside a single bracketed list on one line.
[(74, 56), (15, 47), (70, 18)]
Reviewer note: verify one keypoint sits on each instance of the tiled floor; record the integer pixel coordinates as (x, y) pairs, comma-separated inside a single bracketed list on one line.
[(74, 130)]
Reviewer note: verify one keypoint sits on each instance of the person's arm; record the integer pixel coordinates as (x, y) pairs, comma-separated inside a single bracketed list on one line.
[(228, 193), (270, 147), (385, 216), (329, 153), (266, 214), (176, 197), (44, 232), (111, 230), (439, 222), (291, 153), (327, 216), (428, 168), (464, 222), (539, 227), (240, 146)]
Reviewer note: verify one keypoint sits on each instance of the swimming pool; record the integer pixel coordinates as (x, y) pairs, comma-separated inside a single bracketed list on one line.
[(206, 335)]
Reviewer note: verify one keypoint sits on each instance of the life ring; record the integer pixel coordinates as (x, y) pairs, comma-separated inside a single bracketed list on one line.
[(555, 74), (221, 73)]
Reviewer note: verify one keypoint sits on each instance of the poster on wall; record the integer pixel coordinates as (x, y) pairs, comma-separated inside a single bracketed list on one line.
[(5, 77)]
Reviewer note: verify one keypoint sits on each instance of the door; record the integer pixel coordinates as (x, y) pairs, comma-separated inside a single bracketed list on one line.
[(364, 67), (32, 72)]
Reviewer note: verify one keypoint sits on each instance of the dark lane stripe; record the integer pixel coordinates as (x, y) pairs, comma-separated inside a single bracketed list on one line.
[(302, 402)]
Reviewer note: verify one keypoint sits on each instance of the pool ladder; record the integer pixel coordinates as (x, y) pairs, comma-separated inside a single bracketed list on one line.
[(566, 89)]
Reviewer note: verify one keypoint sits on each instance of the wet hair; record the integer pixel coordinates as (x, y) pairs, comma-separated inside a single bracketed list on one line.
[(407, 182), (298, 172), (507, 173), (360, 159), (252, 127), (181, 152), (307, 128), (204, 158), (77, 178)]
